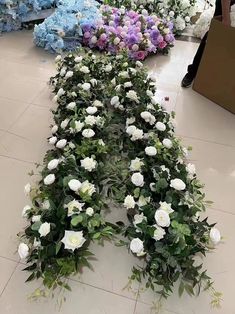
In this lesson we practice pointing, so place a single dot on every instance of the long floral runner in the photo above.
(112, 140)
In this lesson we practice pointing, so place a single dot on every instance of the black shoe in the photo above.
(187, 80)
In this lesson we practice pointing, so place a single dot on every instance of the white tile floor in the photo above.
(24, 125)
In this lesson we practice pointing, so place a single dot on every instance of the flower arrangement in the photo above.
(179, 12)
(111, 139)
(126, 29)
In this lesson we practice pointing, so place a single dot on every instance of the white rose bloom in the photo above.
(26, 209)
(86, 86)
(160, 126)
(88, 133)
(73, 94)
(143, 201)
(167, 143)
(61, 143)
(69, 74)
(108, 68)
(88, 163)
(60, 92)
(53, 164)
(159, 233)
(137, 134)
(187, 19)
(166, 207)
(71, 105)
(138, 219)
(52, 140)
(74, 185)
(91, 110)
(137, 246)
(36, 218)
(129, 202)
(162, 218)
(178, 184)
(185, 152)
(139, 64)
(93, 82)
(136, 164)
(171, 13)
(131, 94)
(90, 211)
(48, 180)
(90, 120)
(44, 229)
(130, 121)
(150, 151)
(78, 59)
(73, 207)
(84, 69)
(137, 179)
(191, 169)
(27, 189)
(78, 126)
(64, 124)
(127, 84)
(130, 129)
(58, 58)
(73, 240)
(54, 129)
(23, 250)
(63, 71)
(149, 93)
(215, 236)
(87, 188)
(115, 100)
(148, 117)
(98, 103)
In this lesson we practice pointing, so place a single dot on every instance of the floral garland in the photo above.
(179, 12)
(111, 139)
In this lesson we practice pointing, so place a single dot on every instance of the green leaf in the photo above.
(57, 248)
(181, 288)
(30, 278)
(96, 235)
(189, 289)
(76, 220)
(36, 226)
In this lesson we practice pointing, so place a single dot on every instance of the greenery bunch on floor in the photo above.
(112, 140)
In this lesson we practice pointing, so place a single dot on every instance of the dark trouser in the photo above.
(192, 68)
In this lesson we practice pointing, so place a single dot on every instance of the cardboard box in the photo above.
(216, 74)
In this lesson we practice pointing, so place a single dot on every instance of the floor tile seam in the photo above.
(18, 159)
(12, 273)
(221, 210)
(103, 289)
(9, 259)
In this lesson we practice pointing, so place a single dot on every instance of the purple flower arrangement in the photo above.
(119, 29)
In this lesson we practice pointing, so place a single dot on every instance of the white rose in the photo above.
(142, 201)
(171, 13)
(129, 202)
(185, 152)
(90, 211)
(137, 134)
(71, 105)
(137, 179)
(84, 69)
(63, 71)
(73, 240)
(178, 184)
(148, 117)
(108, 68)
(138, 219)
(91, 110)
(78, 59)
(64, 124)
(48, 180)
(52, 140)
(130, 120)
(167, 143)
(98, 103)
(139, 64)
(53, 164)
(137, 246)
(58, 58)
(88, 133)
(132, 95)
(88, 163)
(74, 185)
(150, 151)
(26, 209)
(160, 126)
(23, 250)
(87, 188)
(36, 218)
(215, 236)
(78, 126)
(162, 218)
(27, 189)
(44, 229)
(127, 84)
(86, 86)
(74, 205)
(115, 100)
(136, 164)
(90, 120)
(93, 82)
(166, 207)
(159, 233)
(130, 129)
(191, 169)
(73, 94)
(69, 74)
(60, 92)
(187, 19)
